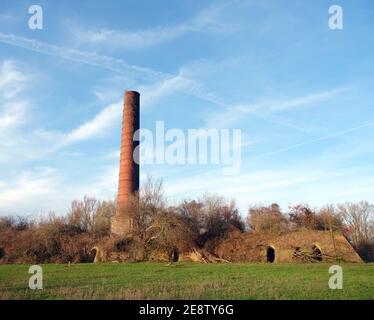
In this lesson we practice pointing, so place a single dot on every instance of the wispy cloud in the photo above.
(44, 189)
(324, 138)
(12, 107)
(286, 185)
(12, 80)
(96, 126)
(13, 114)
(208, 20)
(7, 17)
(106, 62)
(29, 186)
(54, 141)
(237, 113)
(160, 82)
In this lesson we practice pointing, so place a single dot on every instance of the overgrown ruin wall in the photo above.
(305, 246)
(298, 246)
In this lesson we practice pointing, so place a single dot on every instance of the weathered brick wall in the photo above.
(128, 183)
(253, 247)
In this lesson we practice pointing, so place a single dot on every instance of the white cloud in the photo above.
(90, 58)
(46, 142)
(136, 39)
(12, 106)
(26, 189)
(323, 138)
(17, 145)
(158, 82)
(96, 126)
(39, 142)
(41, 190)
(208, 20)
(237, 113)
(286, 186)
(11, 79)
(150, 94)
(8, 18)
(13, 114)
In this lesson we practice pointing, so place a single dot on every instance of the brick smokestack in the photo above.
(128, 183)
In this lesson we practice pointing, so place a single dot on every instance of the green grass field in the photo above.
(187, 281)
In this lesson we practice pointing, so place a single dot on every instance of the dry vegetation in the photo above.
(56, 239)
(161, 229)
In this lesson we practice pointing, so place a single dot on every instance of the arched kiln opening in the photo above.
(316, 253)
(174, 257)
(270, 254)
(93, 253)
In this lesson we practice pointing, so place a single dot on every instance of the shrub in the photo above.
(210, 217)
(267, 219)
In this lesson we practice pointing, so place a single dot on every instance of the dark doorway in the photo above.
(92, 255)
(316, 253)
(174, 255)
(270, 254)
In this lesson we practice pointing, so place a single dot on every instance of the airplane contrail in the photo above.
(327, 137)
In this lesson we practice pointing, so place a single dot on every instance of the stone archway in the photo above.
(317, 253)
(96, 254)
(270, 254)
(174, 257)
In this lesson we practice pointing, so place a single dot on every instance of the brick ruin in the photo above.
(298, 246)
(307, 246)
(128, 182)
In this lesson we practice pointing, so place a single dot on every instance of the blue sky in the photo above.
(302, 95)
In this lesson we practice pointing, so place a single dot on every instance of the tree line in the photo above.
(157, 225)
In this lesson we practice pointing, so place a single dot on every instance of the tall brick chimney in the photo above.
(128, 183)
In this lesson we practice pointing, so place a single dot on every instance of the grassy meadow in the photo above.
(187, 281)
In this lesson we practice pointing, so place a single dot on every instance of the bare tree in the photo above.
(359, 218)
(152, 193)
(191, 212)
(210, 217)
(81, 214)
(267, 219)
(329, 218)
(146, 205)
(102, 217)
(157, 227)
(88, 214)
(168, 232)
(220, 215)
(303, 216)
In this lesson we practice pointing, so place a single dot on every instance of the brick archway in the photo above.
(270, 254)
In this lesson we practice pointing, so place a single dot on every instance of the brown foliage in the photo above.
(326, 218)
(91, 215)
(157, 227)
(160, 229)
(210, 218)
(302, 216)
(56, 239)
(359, 220)
(267, 219)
